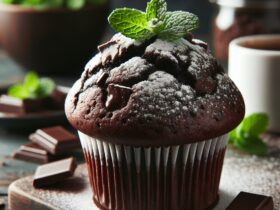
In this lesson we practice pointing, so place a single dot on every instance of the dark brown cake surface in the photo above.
(154, 93)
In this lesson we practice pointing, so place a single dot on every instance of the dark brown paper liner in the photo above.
(184, 177)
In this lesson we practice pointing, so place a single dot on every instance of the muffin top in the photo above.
(153, 93)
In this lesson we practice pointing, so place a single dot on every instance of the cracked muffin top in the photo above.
(154, 93)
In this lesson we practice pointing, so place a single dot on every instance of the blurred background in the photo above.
(59, 44)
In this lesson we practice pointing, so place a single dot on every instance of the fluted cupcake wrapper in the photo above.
(154, 178)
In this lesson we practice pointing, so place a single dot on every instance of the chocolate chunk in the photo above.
(56, 140)
(118, 96)
(250, 201)
(189, 37)
(118, 48)
(56, 100)
(200, 43)
(9, 104)
(102, 79)
(32, 152)
(54, 172)
(106, 45)
(207, 85)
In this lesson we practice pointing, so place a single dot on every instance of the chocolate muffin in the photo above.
(153, 119)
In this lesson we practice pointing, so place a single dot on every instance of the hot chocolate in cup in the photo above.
(254, 66)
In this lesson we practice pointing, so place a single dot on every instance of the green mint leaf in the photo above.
(31, 82)
(246, 136)
(255, 124)
(138, 25)
(156, 9)
(42, 4)
(18, 91)
(47, 86)
(75, 4)
(8, 1)
(32, 88)
(177, 24)
(232, 136)
(131, 23)
(252, 145)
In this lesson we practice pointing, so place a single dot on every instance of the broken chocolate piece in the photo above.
(118, 96)
(200, 43)
(102, 79)
(207, 85)
(54, 172)
(32, 152)
(56, 140)
(9, 104)
(56, 100)
(189, 37)
(250, 201)
(106, 45)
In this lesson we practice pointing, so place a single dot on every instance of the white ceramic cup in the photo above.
(254, 66)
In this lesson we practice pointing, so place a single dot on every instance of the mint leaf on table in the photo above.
(18, 91)
(256, 124)
(32, 88)
(246, 136)
(252, 145)
(156, 21)
(47, 86)
(131, 23)
(31, 81)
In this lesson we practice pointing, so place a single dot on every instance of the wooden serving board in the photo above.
(241, 172)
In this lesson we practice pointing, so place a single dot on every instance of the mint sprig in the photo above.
(156, 21)
(32, 88)
(246, 136)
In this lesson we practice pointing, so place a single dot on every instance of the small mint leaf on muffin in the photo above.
(156, 9)
(178, 24)
(246, 136)
(32, 88)
(156, 21)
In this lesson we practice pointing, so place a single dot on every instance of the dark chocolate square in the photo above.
(54, 172)
(32, 152)
(56, 140)
(250, 201)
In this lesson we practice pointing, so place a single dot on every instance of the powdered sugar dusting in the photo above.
(260, 175)
(167, 96)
